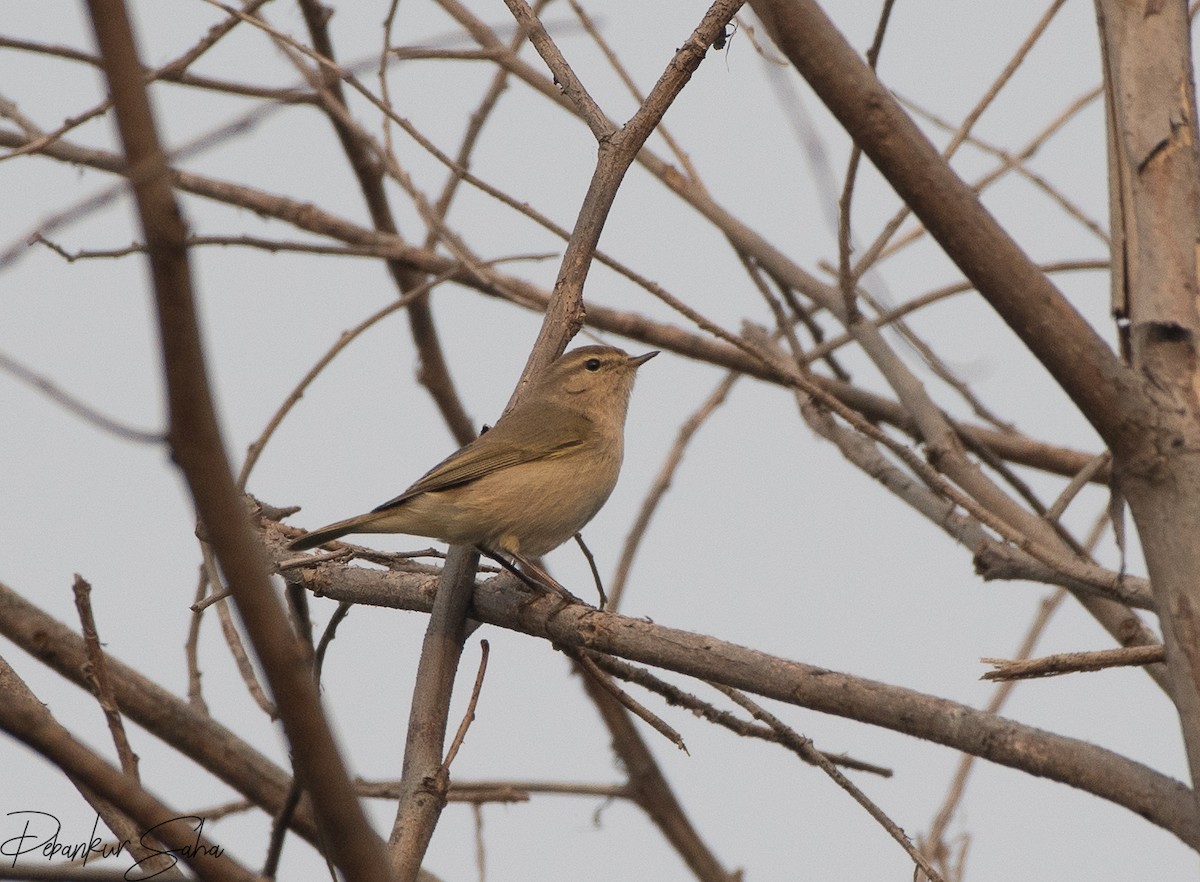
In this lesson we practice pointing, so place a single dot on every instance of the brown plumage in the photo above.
(532, 481)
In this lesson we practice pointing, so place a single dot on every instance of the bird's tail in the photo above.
(360, 524)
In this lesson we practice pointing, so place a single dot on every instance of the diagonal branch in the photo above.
(1055, 333)
(199, 451)
(1160, 799)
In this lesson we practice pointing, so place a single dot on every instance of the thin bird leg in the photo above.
(544, 579)
(504, 562)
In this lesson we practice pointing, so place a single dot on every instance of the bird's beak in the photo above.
(639, 360)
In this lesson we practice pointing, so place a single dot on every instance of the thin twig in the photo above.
(339, 614)
(1072, 662)
(232, 638)
(480, 854)
(587, 553)
(97, 674)
(679, 698)
(627, 701)
(279, 828)
(804, 746)
(1077, 483)
(468, 715)
(70, 403)
(847, 278)
(662, 483)
(345, 339)
(192, 645)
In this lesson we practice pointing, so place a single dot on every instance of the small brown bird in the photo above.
(534, 479)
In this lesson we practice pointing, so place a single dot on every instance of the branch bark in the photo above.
(1154, 170)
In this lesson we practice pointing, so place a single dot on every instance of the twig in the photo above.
(141, 845)
(97, 675)
(1077, 483)
(500, 791)
(230, 632)
(208, 600)
(627, 701)
(662, 483)
(70, 403)
(339, 614)
(704, 709)
(847, 278)
(480, 854)
(192, 645)
(587, 553)
(386, 250)
(347, 337)
(1073, 662)
(804, 746)
(469, 715)
(279, 827)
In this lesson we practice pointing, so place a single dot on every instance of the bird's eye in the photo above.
(592, 364)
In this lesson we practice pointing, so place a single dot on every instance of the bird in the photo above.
(533, 480)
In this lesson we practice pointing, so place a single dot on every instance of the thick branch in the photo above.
(1156, 797)
(1155, 172)
(166, 716)
(198, 449)
(1039, 314)
(28, 720)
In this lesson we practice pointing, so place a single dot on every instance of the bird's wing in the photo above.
(509, 443)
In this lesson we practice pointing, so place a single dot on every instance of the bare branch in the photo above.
(1162, 800)
(196, 443)
(1072, 662)
(74, 405)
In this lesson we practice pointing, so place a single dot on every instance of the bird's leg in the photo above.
(506, 564)
(544, 579)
